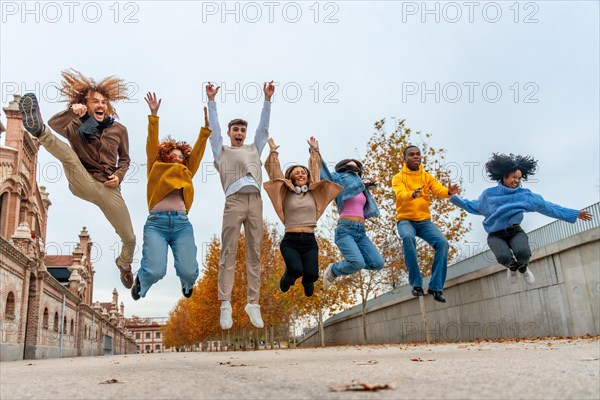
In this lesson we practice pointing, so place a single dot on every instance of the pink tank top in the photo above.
(355, 206)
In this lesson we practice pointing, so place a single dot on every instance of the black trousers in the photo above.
(508, 242)
(300, 253)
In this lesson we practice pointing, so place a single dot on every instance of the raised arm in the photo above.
(152, 143)
(200, 145)
(439, 190)
(262, 131)
(314, 162)
(216, 140)
(272, 164)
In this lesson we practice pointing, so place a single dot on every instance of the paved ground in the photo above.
(540, 369)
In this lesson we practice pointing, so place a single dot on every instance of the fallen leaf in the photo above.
(111, 381)
(589, 359)
(370, 362)
(30, 364)
(356, 385)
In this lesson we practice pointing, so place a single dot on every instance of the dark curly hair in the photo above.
(500, 165)
(167, 145)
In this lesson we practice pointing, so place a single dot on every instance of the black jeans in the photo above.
(508, 242)
(300, 252)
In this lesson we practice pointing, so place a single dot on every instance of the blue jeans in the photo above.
(430, 233)
(163, 229)
(359, 252)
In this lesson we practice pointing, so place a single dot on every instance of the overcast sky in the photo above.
(481, 77)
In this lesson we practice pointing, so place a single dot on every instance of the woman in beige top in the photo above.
(299, 198)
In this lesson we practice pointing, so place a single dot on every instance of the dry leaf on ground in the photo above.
(356, 385)
(111, 381)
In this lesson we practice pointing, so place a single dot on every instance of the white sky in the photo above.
(371, 60)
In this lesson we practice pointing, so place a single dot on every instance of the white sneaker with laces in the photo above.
(328, 277)
(512, 276)
(253, 311)
(226, 320)
(528, 276)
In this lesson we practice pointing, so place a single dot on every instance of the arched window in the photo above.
(45, 320)
(56, 322)
(64, 327)
(3, 212)
(9, 311)
(72, 330)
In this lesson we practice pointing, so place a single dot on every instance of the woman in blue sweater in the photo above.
(503, 207)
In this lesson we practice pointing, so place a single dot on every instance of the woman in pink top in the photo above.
(355, 204)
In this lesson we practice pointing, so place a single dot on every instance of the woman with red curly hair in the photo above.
(171, 167)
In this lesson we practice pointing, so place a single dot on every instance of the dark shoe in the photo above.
(309, 289)
(30, 114)
(417, 291)
(284, 284)
(126, 275)
(186, 294)
(135, 289)
(437, 295)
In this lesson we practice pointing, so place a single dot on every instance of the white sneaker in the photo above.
(528, 276)
(328, 277)
(253, 311)
(511, 275)
(226, 320)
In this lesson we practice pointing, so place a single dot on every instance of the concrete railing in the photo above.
(564, 301)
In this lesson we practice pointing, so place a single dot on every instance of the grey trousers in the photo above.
(511, 248)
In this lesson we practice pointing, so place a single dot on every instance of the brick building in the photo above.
(147, 334)
(46, 307)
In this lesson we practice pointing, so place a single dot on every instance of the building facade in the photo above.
(148, 334)
(46, 307)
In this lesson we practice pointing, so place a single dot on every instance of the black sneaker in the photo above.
(417, 291)
(284, 284)
(30, 114)
(187, 294)
(309, 289)
(437, 295)
(136, 288)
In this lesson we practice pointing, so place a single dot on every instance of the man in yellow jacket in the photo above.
(414, 188)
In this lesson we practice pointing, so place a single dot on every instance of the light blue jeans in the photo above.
(358, 250)
(163, 229)
(430, 233)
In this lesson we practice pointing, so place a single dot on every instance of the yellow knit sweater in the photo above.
(405, 182)
(163, 177)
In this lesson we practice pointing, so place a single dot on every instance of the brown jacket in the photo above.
(105, 156)
(323, 191)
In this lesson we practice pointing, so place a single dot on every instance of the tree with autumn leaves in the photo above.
(196, 320)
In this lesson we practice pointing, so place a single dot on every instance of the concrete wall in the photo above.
(564, 301)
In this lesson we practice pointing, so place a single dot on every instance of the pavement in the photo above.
(509, 369)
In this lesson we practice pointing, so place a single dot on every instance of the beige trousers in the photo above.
(84, 186)
(246, 209)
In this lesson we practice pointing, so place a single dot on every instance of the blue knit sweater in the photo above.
(502, 207)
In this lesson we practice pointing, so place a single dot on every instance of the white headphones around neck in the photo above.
(301, 189)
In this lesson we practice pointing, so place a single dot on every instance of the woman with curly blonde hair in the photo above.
(171, 168)
(97, 159)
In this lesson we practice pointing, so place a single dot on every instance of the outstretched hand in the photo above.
(152, 103)
(585, 215)
(268, 89)
(272, 145)
(211, 91)
(313, 143)
(453, 189)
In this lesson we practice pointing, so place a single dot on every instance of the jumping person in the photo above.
(299, 198)
(414, 187)
(503, 206)
(171, 168)
(355, 204)
(98, 158)
(239, 168)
